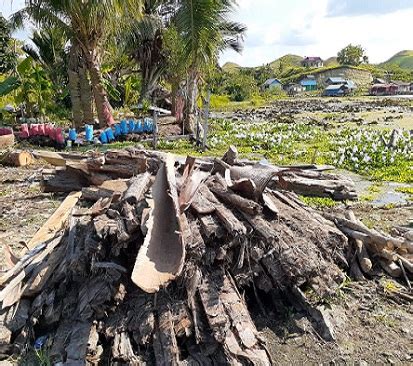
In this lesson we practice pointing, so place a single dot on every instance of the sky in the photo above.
(310, 28)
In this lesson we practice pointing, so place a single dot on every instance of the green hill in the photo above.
(331, 61)
(231, 67)
(404, 59)
(286, 61)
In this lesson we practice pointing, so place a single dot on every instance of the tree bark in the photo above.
(85, 94)
(190, 105)
(74, 87)
(103, 107)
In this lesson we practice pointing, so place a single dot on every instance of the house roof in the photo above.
(308, 82)
(376, 86)
(400, 83)
(380, 81)
(312, 58)
(335, 87)
(271, 81)
(336, 79)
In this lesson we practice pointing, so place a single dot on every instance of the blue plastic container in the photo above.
(103, 138)
(138, 127)
(117, 130)
(124, 127)
(109, 134)
(89, 133)
(148, 125)
(132, 125)
(72, 134)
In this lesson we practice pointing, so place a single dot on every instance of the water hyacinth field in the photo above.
(365, 151)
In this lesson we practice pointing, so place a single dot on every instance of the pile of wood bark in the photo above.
(165, 261)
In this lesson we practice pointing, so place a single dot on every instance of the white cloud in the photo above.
(304, 27)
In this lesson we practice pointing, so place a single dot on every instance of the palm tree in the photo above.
(87, 23)
(206, 30)
(144, 42)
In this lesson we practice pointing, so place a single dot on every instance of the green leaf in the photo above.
(8, 85)
(111, 90)
(24, 65)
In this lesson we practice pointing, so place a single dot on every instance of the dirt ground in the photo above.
(374, 326)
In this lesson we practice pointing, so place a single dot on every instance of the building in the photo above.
(402, 87)
(312, 62)
(293, 88)
(384, 89)
(379, 81)
(272, 84)
(335, 80)
(334, 90)
(309, 83)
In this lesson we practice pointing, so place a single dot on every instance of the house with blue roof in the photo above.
(309, 83)
(272, 84)
(338, 86)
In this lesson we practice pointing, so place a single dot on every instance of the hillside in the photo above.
(404, 59)
(331, 61)
(286, 61)
(231, 67)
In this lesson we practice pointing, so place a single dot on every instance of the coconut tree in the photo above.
(88, 23)
(143, 40)
(206, 30)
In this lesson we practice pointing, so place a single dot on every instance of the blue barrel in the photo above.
(72, 134)
(89, 133)
(109, 134)
(124, 127)
(139, 127)
(103, 138)
(132, 124)
(117, 130)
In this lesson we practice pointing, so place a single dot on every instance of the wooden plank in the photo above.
(55, 222)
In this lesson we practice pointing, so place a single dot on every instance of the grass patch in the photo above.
(406, 190)
(319, 202)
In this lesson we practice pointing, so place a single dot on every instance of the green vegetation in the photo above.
(362, 152)
(352, 56)
(319, 202)
(402, 59)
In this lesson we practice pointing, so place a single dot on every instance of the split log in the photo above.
(361, 251)
(56, 222)
(161, 257)
(17, 158)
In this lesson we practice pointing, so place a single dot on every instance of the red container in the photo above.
(6, 131)
(59, 136)
(34, 130)
(41, 129)
(24, 131)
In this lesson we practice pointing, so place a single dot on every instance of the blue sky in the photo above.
(311, 27)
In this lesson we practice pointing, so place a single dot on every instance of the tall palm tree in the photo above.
(87, 23)
(206, 30)
(143, 40)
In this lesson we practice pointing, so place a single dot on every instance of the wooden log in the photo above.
(231, 156)
(361, 251)
(243, 204)
(369, 235)
(137, 188)
(56, 222)
(18, 158)
(94, 194)
(161, 257)
(391, 268)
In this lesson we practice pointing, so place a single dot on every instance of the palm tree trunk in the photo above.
(103, 107)
(73, 75)
(174, 98)
(86, 95)
(190, 105)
